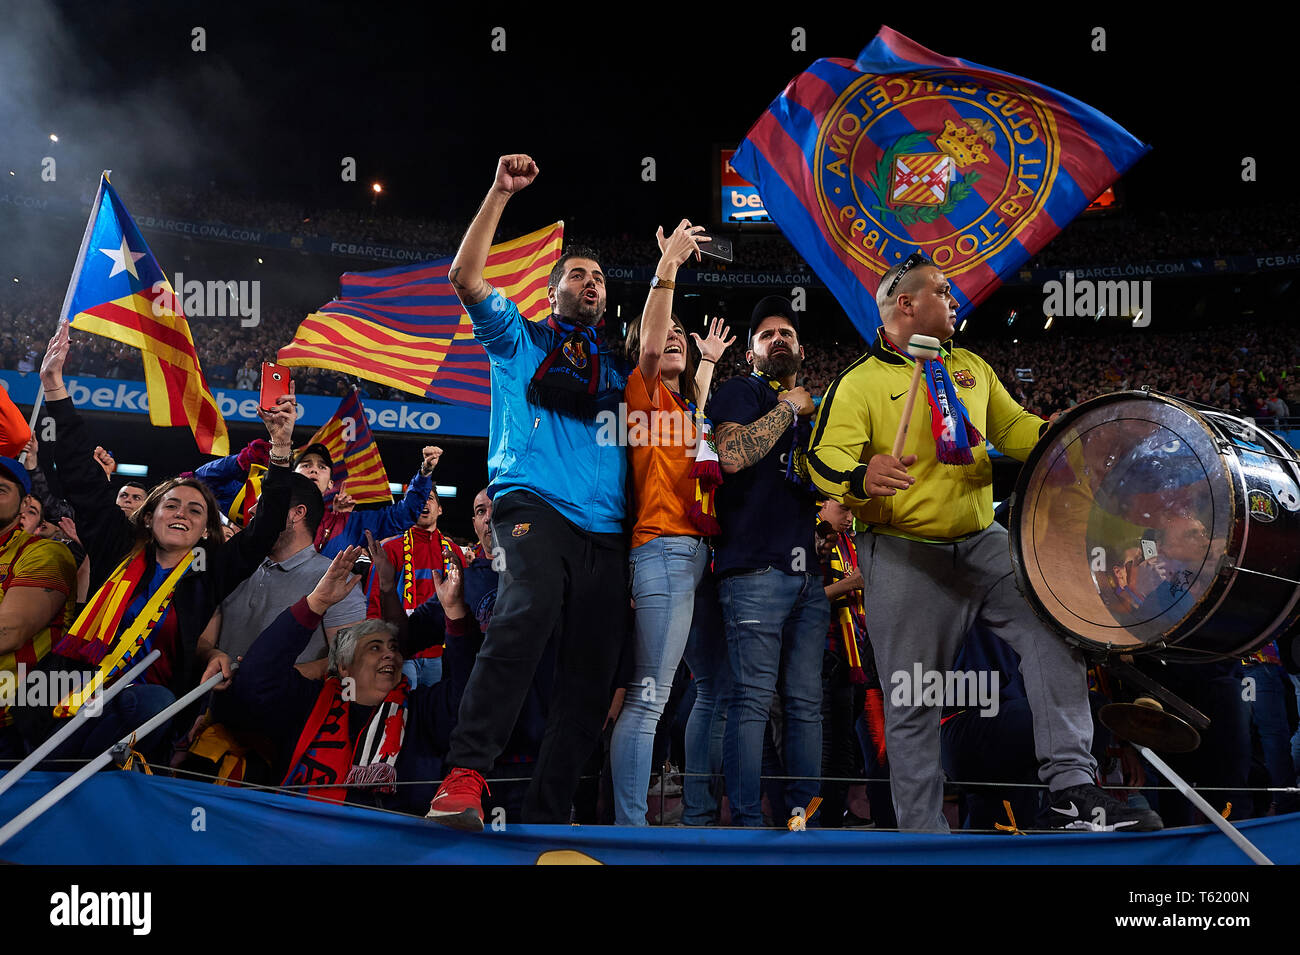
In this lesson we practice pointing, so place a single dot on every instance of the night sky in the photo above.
(425, 106)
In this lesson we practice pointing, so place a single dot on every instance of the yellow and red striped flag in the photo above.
(355, 455)
(118, 290)
(404, 327)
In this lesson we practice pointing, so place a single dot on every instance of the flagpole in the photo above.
(82, 714)
(67, 297)
(36, 809)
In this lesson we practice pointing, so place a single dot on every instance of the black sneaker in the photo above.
(1091, 808)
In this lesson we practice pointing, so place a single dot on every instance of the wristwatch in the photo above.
(657, 282)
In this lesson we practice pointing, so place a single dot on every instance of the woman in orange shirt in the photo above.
(674, 473)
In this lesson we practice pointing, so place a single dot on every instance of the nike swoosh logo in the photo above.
(897, 396)
(1072, 812)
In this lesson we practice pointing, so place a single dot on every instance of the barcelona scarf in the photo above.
(95, 637)
(567, 379)
(325, 756)
(796, 462)
(954, 435)
(850, 612)
(707, 470)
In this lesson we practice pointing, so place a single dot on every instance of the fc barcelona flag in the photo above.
(354, 452)
(862, 163)
(119, 291)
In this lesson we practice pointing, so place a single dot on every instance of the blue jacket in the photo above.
(382, 522)
(576, 466)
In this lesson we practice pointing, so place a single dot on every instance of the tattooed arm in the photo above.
(740, 445)
(466, 274)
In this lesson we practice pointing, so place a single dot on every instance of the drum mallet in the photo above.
(922, 348)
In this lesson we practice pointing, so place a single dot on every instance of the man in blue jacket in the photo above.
(557, 514)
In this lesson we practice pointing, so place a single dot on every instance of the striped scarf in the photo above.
(409, 601)
(326, 755)
(247, 496)
(954, 435)
(95, 637)
(707, 470)
(850, 612)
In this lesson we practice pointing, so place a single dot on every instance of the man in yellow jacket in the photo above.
(935, 563)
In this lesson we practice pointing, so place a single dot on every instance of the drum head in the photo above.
(1124, 514)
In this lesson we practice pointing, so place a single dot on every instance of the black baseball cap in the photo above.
(315, 448)
(769, 306)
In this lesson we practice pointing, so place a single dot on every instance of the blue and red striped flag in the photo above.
(404, 327)
(354, 453)
(862, 163)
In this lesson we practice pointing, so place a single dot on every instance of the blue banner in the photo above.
(130, 397)
(164, 821)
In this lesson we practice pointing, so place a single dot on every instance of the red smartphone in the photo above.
(275, 382)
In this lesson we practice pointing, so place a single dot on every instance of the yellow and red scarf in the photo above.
(850, 611)
(409, 598)
(247, 496)
(95, 637)
(327, 759)
(707, 470)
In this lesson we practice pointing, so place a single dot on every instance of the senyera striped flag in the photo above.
(404, 326)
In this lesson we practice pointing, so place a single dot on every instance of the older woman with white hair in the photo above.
(352, 736)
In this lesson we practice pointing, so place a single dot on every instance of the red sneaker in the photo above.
(459, 803)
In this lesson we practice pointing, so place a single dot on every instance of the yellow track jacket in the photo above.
(859, 417)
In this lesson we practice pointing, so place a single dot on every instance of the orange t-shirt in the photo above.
(660, 433)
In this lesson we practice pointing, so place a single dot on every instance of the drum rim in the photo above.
(1218, 590)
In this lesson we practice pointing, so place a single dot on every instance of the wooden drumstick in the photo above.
(922, 348)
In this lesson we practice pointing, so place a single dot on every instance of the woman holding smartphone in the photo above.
(674, 474)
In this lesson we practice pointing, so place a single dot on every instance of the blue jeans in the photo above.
(706, 655)
(1268, 714)
(665, 572)
(776, 633)
(422, 671)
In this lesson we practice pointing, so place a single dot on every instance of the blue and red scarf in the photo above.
(567, 379)
(954, 435)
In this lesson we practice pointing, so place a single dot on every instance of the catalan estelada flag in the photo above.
(862, 163)
(404, 327)
(119, 291)
(354, 453)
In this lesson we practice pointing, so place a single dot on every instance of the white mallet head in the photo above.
(923, 347)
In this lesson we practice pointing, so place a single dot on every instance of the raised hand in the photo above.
(55, 356)
(280, 420)
(680, 246)
(717, 342)
(337, 582)
(386, 573)
(514, 172)
(451, 591)
(431, 456)
(105, 460)
(343, 501)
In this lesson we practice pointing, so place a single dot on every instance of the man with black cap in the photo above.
(774, 607)
(37, 585)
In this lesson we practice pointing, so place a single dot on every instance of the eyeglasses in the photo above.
(913, 260)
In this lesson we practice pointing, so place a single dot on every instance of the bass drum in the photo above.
(1144, 524)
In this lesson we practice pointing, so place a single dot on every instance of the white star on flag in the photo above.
(119, 257)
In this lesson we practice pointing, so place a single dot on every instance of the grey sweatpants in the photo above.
(921, 599)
